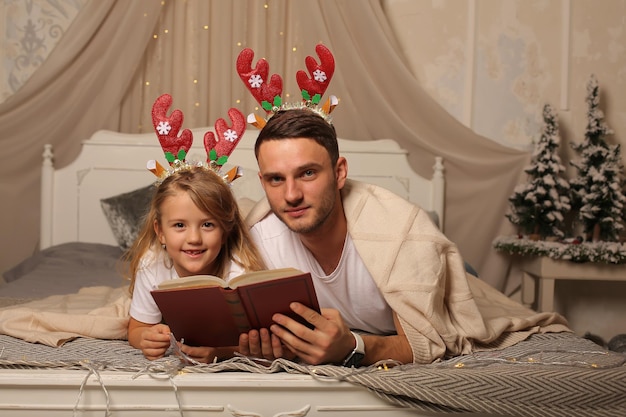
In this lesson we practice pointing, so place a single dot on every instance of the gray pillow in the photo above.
(125, 213)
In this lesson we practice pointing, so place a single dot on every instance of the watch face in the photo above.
(355, 359)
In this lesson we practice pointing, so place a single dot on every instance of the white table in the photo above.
(540, 272)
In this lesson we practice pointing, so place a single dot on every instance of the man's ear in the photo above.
(341, 172)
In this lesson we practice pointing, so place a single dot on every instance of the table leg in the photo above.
(545, 297)
(528, 289)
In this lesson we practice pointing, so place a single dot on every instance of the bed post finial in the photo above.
(47, 179)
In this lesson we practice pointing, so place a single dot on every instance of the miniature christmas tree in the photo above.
(538, 207)
(597, 190)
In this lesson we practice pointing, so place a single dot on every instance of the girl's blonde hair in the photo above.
(211, 194)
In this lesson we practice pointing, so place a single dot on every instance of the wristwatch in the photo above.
(355, 357)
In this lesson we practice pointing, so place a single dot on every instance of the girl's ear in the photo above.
(158, 232)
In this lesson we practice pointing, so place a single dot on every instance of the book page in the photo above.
(193, 281)
(261, 276)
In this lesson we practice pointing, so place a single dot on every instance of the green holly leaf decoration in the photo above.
(278, 101)
(169, 157)
(267, 106)
(212, 154)
(222, 160)
(181, 155)
(316, 99)
(305, 95)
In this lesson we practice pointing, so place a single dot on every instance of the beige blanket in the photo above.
(97, 312)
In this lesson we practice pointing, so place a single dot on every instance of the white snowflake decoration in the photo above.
(230, 135)
(319, 75)
(255, 81)
(164, 128)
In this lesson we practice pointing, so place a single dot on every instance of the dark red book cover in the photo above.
(201, 316)
(215, 316)
(262, 300)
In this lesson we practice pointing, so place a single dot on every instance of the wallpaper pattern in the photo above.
(31, 29)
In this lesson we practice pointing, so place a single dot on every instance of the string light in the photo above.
(540, 357)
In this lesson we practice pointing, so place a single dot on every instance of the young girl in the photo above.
(193, 227)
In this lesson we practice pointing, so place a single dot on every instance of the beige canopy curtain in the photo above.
(75, 92)
(191, 54)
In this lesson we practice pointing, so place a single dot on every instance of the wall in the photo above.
(493, 64)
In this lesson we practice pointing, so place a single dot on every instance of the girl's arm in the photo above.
(152, 339)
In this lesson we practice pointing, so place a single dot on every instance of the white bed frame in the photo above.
(111, 163)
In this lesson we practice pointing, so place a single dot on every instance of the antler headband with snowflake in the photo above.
(268, 94)
(176, 147)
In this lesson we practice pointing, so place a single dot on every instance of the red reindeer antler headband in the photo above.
(176, 147)
(268, 94)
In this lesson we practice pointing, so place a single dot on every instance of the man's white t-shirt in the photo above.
(155, 268)
(349, 288)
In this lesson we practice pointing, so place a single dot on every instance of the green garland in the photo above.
(605, 252)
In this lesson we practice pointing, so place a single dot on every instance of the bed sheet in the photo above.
(62, 269)
(555, 374)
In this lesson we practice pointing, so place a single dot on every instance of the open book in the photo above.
(206, 311)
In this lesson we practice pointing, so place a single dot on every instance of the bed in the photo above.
(85, 223)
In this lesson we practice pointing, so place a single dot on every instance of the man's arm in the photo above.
(394, 347)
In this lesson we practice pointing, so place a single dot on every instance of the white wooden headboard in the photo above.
(111, 163)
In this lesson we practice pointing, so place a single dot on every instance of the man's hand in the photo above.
(330, 340)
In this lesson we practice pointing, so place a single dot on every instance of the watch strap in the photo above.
(355, 357)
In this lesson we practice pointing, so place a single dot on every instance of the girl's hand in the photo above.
(154, 340)
(262, 344)
(200, 354)
(204, 354)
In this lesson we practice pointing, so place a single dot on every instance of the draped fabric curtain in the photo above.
(191, 53)
(75, 92)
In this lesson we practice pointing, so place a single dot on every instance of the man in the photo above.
(390, 284)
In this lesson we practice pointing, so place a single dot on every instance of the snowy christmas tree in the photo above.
(597, 190)
(538, 207)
